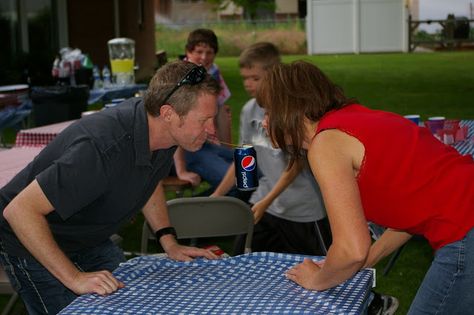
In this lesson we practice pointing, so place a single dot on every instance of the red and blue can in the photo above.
(246, 173)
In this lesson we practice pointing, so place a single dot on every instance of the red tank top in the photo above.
(408, 179)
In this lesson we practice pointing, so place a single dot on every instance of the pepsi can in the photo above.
(246, 174)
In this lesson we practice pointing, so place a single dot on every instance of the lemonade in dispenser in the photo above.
(122, 59)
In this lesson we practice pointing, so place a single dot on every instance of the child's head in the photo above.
(254, 62)
(202, 47)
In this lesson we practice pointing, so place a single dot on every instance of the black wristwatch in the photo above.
(165, 231)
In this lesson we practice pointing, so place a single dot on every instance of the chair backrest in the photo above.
(197, 217)
(6, 288)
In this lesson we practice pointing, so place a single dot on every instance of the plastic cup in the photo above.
(451, 124)
(435, 123)
(414, 118)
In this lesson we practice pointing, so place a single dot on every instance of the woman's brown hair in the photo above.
(291, 92)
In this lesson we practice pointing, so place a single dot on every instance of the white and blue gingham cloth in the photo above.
(467, 146)
(247, 284)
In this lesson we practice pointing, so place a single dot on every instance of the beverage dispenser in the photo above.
(122, 60)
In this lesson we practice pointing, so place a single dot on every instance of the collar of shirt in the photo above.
(143, 155)
(141, 143)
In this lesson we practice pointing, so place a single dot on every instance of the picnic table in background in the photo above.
(114, 92)
(466, 146)
(29, 142)
(40, 136)
(14, 160)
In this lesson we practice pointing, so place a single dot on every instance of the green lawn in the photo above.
(427, 84)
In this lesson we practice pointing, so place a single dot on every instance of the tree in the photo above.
(251, 7)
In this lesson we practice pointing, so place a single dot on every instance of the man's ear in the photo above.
(166, 111)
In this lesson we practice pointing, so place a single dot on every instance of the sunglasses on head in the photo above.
(193, 77)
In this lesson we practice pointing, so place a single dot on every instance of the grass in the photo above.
(233, 36)
(427, 84)
(431, 84)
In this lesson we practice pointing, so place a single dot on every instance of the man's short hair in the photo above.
(185, 97)
(202, 36)
(264, 54)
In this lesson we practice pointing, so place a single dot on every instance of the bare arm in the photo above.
(181, 170)
(286, 178)
(390, 241)
(156, 214)
(26, 215)
(332, 160)
(226, 183)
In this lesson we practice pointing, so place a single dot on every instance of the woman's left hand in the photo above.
(305, 273)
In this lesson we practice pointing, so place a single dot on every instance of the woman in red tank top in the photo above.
(375, 166)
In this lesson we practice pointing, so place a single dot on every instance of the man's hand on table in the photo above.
(100, 282)
(187, 253)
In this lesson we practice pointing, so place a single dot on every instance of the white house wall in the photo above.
(353, 26)
(328, 26)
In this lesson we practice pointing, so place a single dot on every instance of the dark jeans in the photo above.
(40, 291)
(274, 234)
(211, 162)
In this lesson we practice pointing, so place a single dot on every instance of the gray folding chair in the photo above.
(198, 217)
(6, 288)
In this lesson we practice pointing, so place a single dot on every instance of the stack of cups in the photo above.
(414, 118)
(435, 123)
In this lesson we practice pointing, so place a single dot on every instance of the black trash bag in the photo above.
(53, 104)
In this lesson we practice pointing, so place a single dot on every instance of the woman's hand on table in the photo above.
(305, 273)
(188, 253)
(100, 282)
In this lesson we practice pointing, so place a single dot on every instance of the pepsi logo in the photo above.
(248, 163)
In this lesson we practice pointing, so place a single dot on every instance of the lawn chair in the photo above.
(198, 217)
(6, 288)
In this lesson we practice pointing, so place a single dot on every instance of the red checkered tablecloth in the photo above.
(40, 136)
(14, 160)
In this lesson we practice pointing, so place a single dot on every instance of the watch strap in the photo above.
(165, 231)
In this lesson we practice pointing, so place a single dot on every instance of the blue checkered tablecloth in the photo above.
(467, 146)
(247, 284)
(106, 95)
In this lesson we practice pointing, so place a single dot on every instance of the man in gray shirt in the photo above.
(59, 212)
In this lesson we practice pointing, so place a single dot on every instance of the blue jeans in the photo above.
(211, 162)
(448, 286)
(40, 291)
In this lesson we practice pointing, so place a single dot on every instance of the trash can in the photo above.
(53, 104)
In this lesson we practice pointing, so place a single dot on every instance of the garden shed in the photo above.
(356, 26)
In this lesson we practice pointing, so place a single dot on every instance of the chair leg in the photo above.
(392, 260)
(11, 302)
(320, 239)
